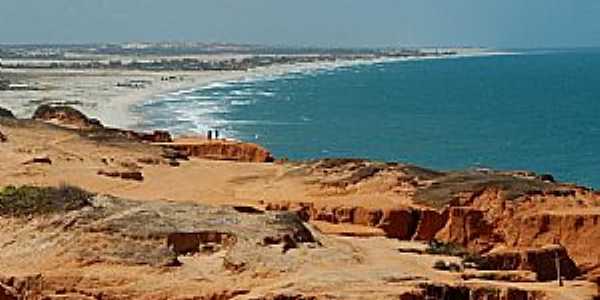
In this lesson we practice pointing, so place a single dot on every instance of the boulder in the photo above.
(65, 116)
(5, 113)
(39, 160)
(3, 137)
(126, 175)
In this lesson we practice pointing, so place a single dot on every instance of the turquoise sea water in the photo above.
(536, 110)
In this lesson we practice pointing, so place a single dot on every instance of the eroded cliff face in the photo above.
(69, 117)
(64, 234)
(221, 150)
(480, 210)
(513, 219)
(577, 230)
(75, 245)
(542, 261)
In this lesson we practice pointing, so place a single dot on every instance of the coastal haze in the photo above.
(417, 23)
(314, 150)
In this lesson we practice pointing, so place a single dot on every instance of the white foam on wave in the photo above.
(266, 94)
(204, 112)
(197, 97)
(241, 102)
(242, 92)
(182, 92)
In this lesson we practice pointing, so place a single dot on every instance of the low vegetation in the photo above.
(31, 200)
(450, 249)
(446, 189)
(447, 266)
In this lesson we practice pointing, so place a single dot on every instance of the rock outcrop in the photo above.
(222, 150)
(5, 113)
(69, 117)
(430, 223)
(158, 136)
(399, 223)
(38, 160)
(20, 287)
(541, 261)
(201, 241)
(65, 116)
(367, 216)
(450, 292)
(468, 227)
(126, 175)
(123, 234)
(492, 222)
(577, 230)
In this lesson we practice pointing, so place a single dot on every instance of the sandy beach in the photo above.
(97, 93)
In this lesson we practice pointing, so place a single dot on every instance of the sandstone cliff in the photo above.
(221, 150)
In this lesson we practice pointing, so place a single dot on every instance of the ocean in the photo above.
(533, 110)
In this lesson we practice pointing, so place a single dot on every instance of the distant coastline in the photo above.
(282, 71)
(107, 81)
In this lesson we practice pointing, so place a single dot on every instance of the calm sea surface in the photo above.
(537, 110)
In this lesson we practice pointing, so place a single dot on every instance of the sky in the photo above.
(328, 23)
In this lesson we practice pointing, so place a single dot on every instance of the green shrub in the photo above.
(445, 190)
(447, 266)
(31, 200)
(449, 249)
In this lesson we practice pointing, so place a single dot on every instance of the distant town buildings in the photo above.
(171, 56)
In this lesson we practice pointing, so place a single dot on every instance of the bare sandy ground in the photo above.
(77, 161)
(345, 268)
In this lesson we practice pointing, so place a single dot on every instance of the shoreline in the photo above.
(281, 70)
(95, 92)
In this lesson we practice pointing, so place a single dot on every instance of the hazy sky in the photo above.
(493, 23)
